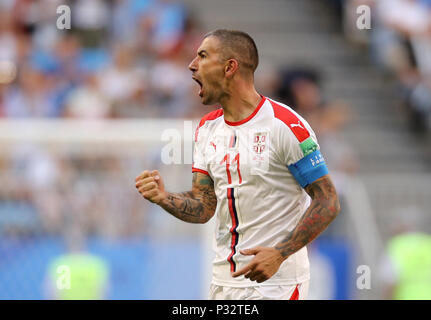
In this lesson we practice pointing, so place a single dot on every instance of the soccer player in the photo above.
(257, 167)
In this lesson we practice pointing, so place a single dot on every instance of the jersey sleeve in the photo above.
(199, 162)
(301, 153)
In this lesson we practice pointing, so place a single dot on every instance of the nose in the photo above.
(193, 65)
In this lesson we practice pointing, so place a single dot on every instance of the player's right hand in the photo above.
(150, 186)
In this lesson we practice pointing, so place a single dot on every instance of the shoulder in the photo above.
(209, 117)
(213, 115)
(290, 121)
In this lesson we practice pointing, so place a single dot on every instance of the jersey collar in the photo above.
(237, 123)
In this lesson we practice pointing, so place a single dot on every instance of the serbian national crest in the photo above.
(259, 142)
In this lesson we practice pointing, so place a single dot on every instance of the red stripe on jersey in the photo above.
(209, 116)
(291, 120)
(295, 294)
(200, 170)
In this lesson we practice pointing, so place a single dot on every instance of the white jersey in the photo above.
(259, 167)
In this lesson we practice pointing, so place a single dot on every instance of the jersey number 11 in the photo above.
(228, 168)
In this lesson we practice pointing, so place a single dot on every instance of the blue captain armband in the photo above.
(309, 169)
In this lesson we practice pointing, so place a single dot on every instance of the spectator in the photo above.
(8, 38)
(125, 18)
(88, 101)
(170, 90)
(411, 20)
(168, 24)
(91, 22)
(405, 268)
(148, 36)
(77, 275)
(299, 88)
(401, 46)
(121, 79)
(33, 97)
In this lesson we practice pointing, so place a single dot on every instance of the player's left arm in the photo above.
(322, 211)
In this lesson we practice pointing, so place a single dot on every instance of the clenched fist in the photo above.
(150, 186)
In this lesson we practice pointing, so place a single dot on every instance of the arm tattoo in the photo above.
(196, 206)
(323, 209)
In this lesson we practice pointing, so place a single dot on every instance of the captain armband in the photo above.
(309, 169)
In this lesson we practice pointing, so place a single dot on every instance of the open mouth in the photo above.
(200, 85)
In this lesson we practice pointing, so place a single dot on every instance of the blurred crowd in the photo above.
(120, 58)
(46, 193)
(400, 44)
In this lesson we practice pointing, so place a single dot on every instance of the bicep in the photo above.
(323, 190)
(203, 189)
(202, 181)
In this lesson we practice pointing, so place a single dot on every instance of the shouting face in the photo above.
(208, 71)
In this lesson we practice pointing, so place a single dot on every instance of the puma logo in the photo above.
(215, 147)
(293, 125)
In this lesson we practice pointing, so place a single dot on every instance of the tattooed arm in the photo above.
(195, 206)
(323, 209)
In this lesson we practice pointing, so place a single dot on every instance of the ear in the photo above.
(231, 68)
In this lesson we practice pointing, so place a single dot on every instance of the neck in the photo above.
(240, 103)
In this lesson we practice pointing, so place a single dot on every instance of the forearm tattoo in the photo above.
(323, 209)
(196, 206)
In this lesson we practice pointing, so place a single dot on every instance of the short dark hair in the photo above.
(239, 45)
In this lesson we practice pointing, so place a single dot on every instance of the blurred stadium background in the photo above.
(83, 111)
